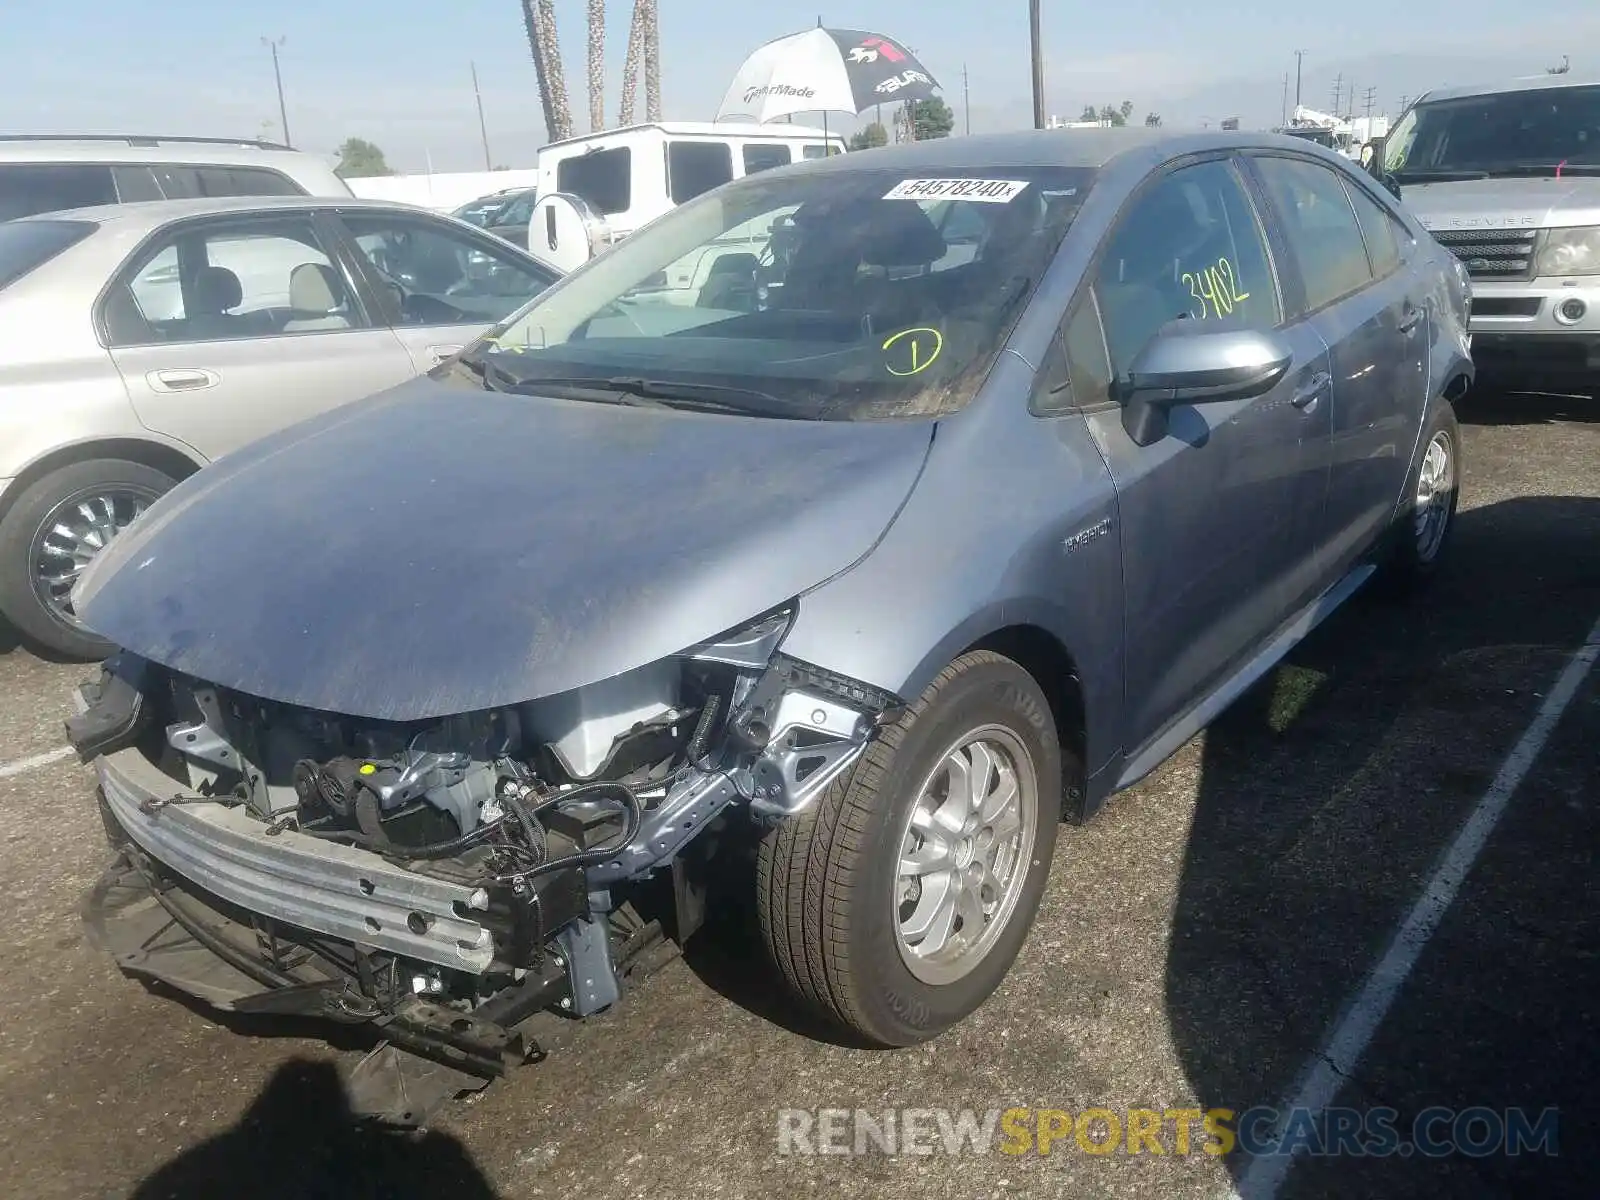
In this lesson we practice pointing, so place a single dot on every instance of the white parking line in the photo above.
(7, 770)
(1325, 1073)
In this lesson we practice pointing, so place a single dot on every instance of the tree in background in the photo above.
(360, 159)
(1152, 120)
(870, 138)
(1109, 114)
(932, 119)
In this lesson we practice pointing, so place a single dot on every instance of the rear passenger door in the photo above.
(225, 330)
(439, 285)
(1216, 519)
(1350, 256)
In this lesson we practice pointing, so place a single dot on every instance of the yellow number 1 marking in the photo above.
(919, 361)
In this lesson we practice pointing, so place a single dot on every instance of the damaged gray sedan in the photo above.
(813, 550)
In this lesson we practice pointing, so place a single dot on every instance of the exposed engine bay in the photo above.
(446, 879)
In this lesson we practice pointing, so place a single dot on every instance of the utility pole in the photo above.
(1283, 116)
(277, 75)
(966, 101)
(1299, 59)
(1038, 64)
(483, 129)
(1369, 100)
(1338, 92)
(1404, 100)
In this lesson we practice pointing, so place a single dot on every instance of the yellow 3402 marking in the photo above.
(917, 343)
(1215, 289)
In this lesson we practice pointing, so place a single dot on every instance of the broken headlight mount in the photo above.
(791, 729)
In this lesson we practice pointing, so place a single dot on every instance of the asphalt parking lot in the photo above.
(1198, 942)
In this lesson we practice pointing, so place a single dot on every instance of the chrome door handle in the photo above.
(440, 353)
(186, 379)
(1306, 398)
(1412, 318)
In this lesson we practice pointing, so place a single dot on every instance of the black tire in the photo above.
(827, 878)
(43, 627)
(1407, 565)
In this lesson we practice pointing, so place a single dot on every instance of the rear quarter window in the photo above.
(28, 245)
(28, 189)
(188, 182)
(603, 177)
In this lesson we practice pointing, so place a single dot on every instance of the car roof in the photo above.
(151, 213)
(222, 152)
(1529, 83)
(1047, 148)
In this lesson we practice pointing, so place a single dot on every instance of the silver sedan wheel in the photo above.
(1435, 484)
(73, 533)
(965, 852)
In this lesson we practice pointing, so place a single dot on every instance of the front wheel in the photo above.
(898, 902)
(53, 531)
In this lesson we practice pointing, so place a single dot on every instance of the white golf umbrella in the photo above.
(825, 70)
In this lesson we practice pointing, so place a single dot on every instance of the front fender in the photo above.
(1011, 524)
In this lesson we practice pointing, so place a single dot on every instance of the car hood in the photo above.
(433, 550)
(1504, 203)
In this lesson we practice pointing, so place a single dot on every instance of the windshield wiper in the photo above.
(660, 393)
(1438, 174)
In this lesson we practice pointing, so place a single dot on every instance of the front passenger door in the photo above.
(1215, 517)
(441, 286)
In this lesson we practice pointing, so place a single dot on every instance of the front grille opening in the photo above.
(1491, 253)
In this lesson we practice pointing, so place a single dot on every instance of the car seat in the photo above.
(731, 284)
(212, 293)
(124, 320)
(316, 296)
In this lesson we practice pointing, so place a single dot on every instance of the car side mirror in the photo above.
(1375, 166)
(1188, 363)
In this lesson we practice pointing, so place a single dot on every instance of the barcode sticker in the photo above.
(985, 191)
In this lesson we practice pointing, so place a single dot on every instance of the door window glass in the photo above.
(1321, 228)
(1381, 231)
(260, 278)
(604, 178)
(1190, 248)
(697, 167)
(30, 188)
(438, 276)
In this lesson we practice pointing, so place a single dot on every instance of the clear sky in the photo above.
(397, 71)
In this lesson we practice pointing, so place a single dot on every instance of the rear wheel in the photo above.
(898, 902)
(56, 527)
(1422, 531)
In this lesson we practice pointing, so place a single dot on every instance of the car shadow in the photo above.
(299, 1139)
(10, 639)
(1328, 794)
